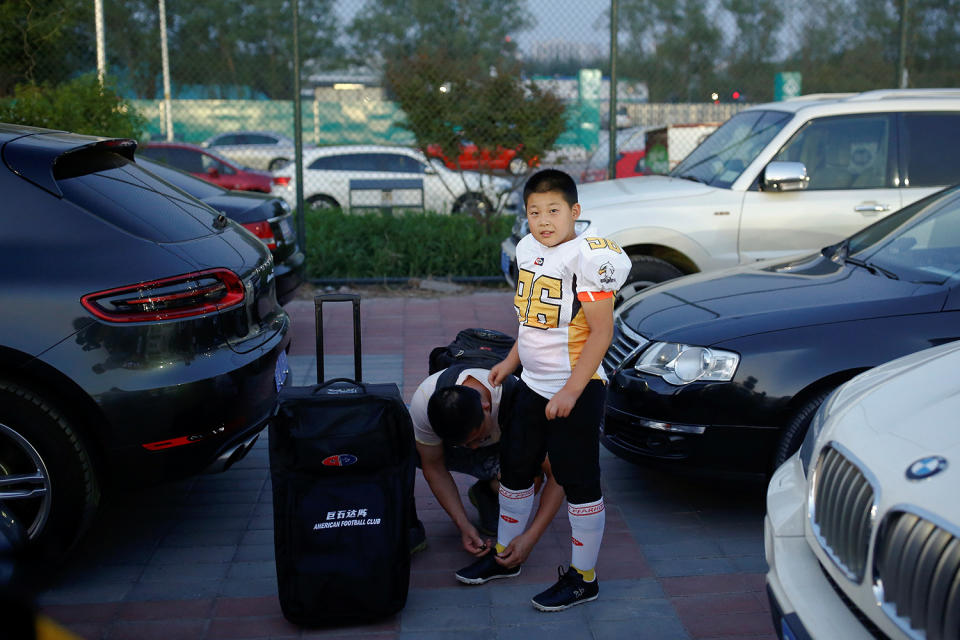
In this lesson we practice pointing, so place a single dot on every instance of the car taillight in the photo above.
(263, 231)
(281, 181)
(188, 295)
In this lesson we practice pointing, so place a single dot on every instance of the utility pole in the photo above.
(298, 129)
(901, 79)
(612, 117)
(165, 62)
(101, 47)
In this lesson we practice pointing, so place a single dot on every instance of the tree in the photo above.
(43, 41)
(385, 30)
(80, 105)
(230, 47)
(754, 47)
(446, 100)
(673, 46)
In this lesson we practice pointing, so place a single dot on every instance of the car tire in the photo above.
(322, 202)
(473, 204)
(49, 481)
(518, 166)
(796, 430)
(646, 271)
(278, 163)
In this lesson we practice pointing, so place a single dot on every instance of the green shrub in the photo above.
(80, 105)
(409, 245)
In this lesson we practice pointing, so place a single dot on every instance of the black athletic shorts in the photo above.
(573, 443)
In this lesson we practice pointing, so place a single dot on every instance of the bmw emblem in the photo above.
(926, 467)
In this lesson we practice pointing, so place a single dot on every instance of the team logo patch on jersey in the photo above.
(509, 519)
(538, 262)
(339, 460)
(606, 272)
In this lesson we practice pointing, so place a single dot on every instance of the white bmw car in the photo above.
(862, 532)
(376, 177)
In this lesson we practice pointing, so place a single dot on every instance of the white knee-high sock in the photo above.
(515, 508)
(586, 526)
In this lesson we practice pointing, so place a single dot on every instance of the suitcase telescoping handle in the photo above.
(318, 308)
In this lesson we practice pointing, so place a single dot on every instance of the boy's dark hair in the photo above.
(551, 180)
(454, 412)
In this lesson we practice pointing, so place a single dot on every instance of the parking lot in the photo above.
(682, 557)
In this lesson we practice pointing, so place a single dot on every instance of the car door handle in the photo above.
(868, 207)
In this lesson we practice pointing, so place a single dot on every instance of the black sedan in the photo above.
(267, 217)
(140, 336)
(724, 370)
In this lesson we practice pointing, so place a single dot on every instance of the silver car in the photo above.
(354, 177)
(256, 149)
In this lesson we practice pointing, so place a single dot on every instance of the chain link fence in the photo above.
(222, 101)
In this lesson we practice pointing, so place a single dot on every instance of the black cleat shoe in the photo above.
(484, 570)
(569, 590)
(488, 506)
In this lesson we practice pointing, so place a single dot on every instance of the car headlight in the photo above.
(521, 227)
(681, 364)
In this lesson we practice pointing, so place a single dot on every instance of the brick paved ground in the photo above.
(681, 557)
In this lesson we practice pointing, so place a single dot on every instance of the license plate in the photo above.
(281, 370)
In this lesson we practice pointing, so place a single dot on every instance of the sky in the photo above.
(570, 20)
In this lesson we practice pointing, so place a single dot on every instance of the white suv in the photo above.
(777, 179)
(862, 532)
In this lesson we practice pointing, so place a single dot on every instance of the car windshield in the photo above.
(723, 156)
(920, 243)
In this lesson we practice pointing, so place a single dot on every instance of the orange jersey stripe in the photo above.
(593, 296)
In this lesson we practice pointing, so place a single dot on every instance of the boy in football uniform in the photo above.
(564, 303)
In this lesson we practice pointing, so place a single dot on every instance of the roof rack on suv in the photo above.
(882, 94)
(821, 96)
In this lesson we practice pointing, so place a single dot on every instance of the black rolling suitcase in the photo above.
(342, 467)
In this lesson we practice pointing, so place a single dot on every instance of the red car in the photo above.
(630, 157)
(207, 166)
(472, 159)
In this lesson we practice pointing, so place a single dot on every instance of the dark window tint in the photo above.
(230, 138)
(843, 152)
(397, 163)
(253, 138)
(930, 147)
(326, 163)
(137, 202)
(183, 159)
(369, 162)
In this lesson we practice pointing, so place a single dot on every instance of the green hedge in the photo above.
(80, 105)
(409, 245)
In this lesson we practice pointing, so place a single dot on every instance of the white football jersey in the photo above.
(550, 287)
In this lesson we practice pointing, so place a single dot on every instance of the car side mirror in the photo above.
(212, 172)
(429, 170)
(785, 176)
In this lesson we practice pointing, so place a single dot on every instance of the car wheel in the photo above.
(278, 163)
(47, 477)
(322, 202)
(473, 204)
(796, 430)
(646, 271)
(518, 166)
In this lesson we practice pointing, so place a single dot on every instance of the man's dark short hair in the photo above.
(551, 180)
(454, 412)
